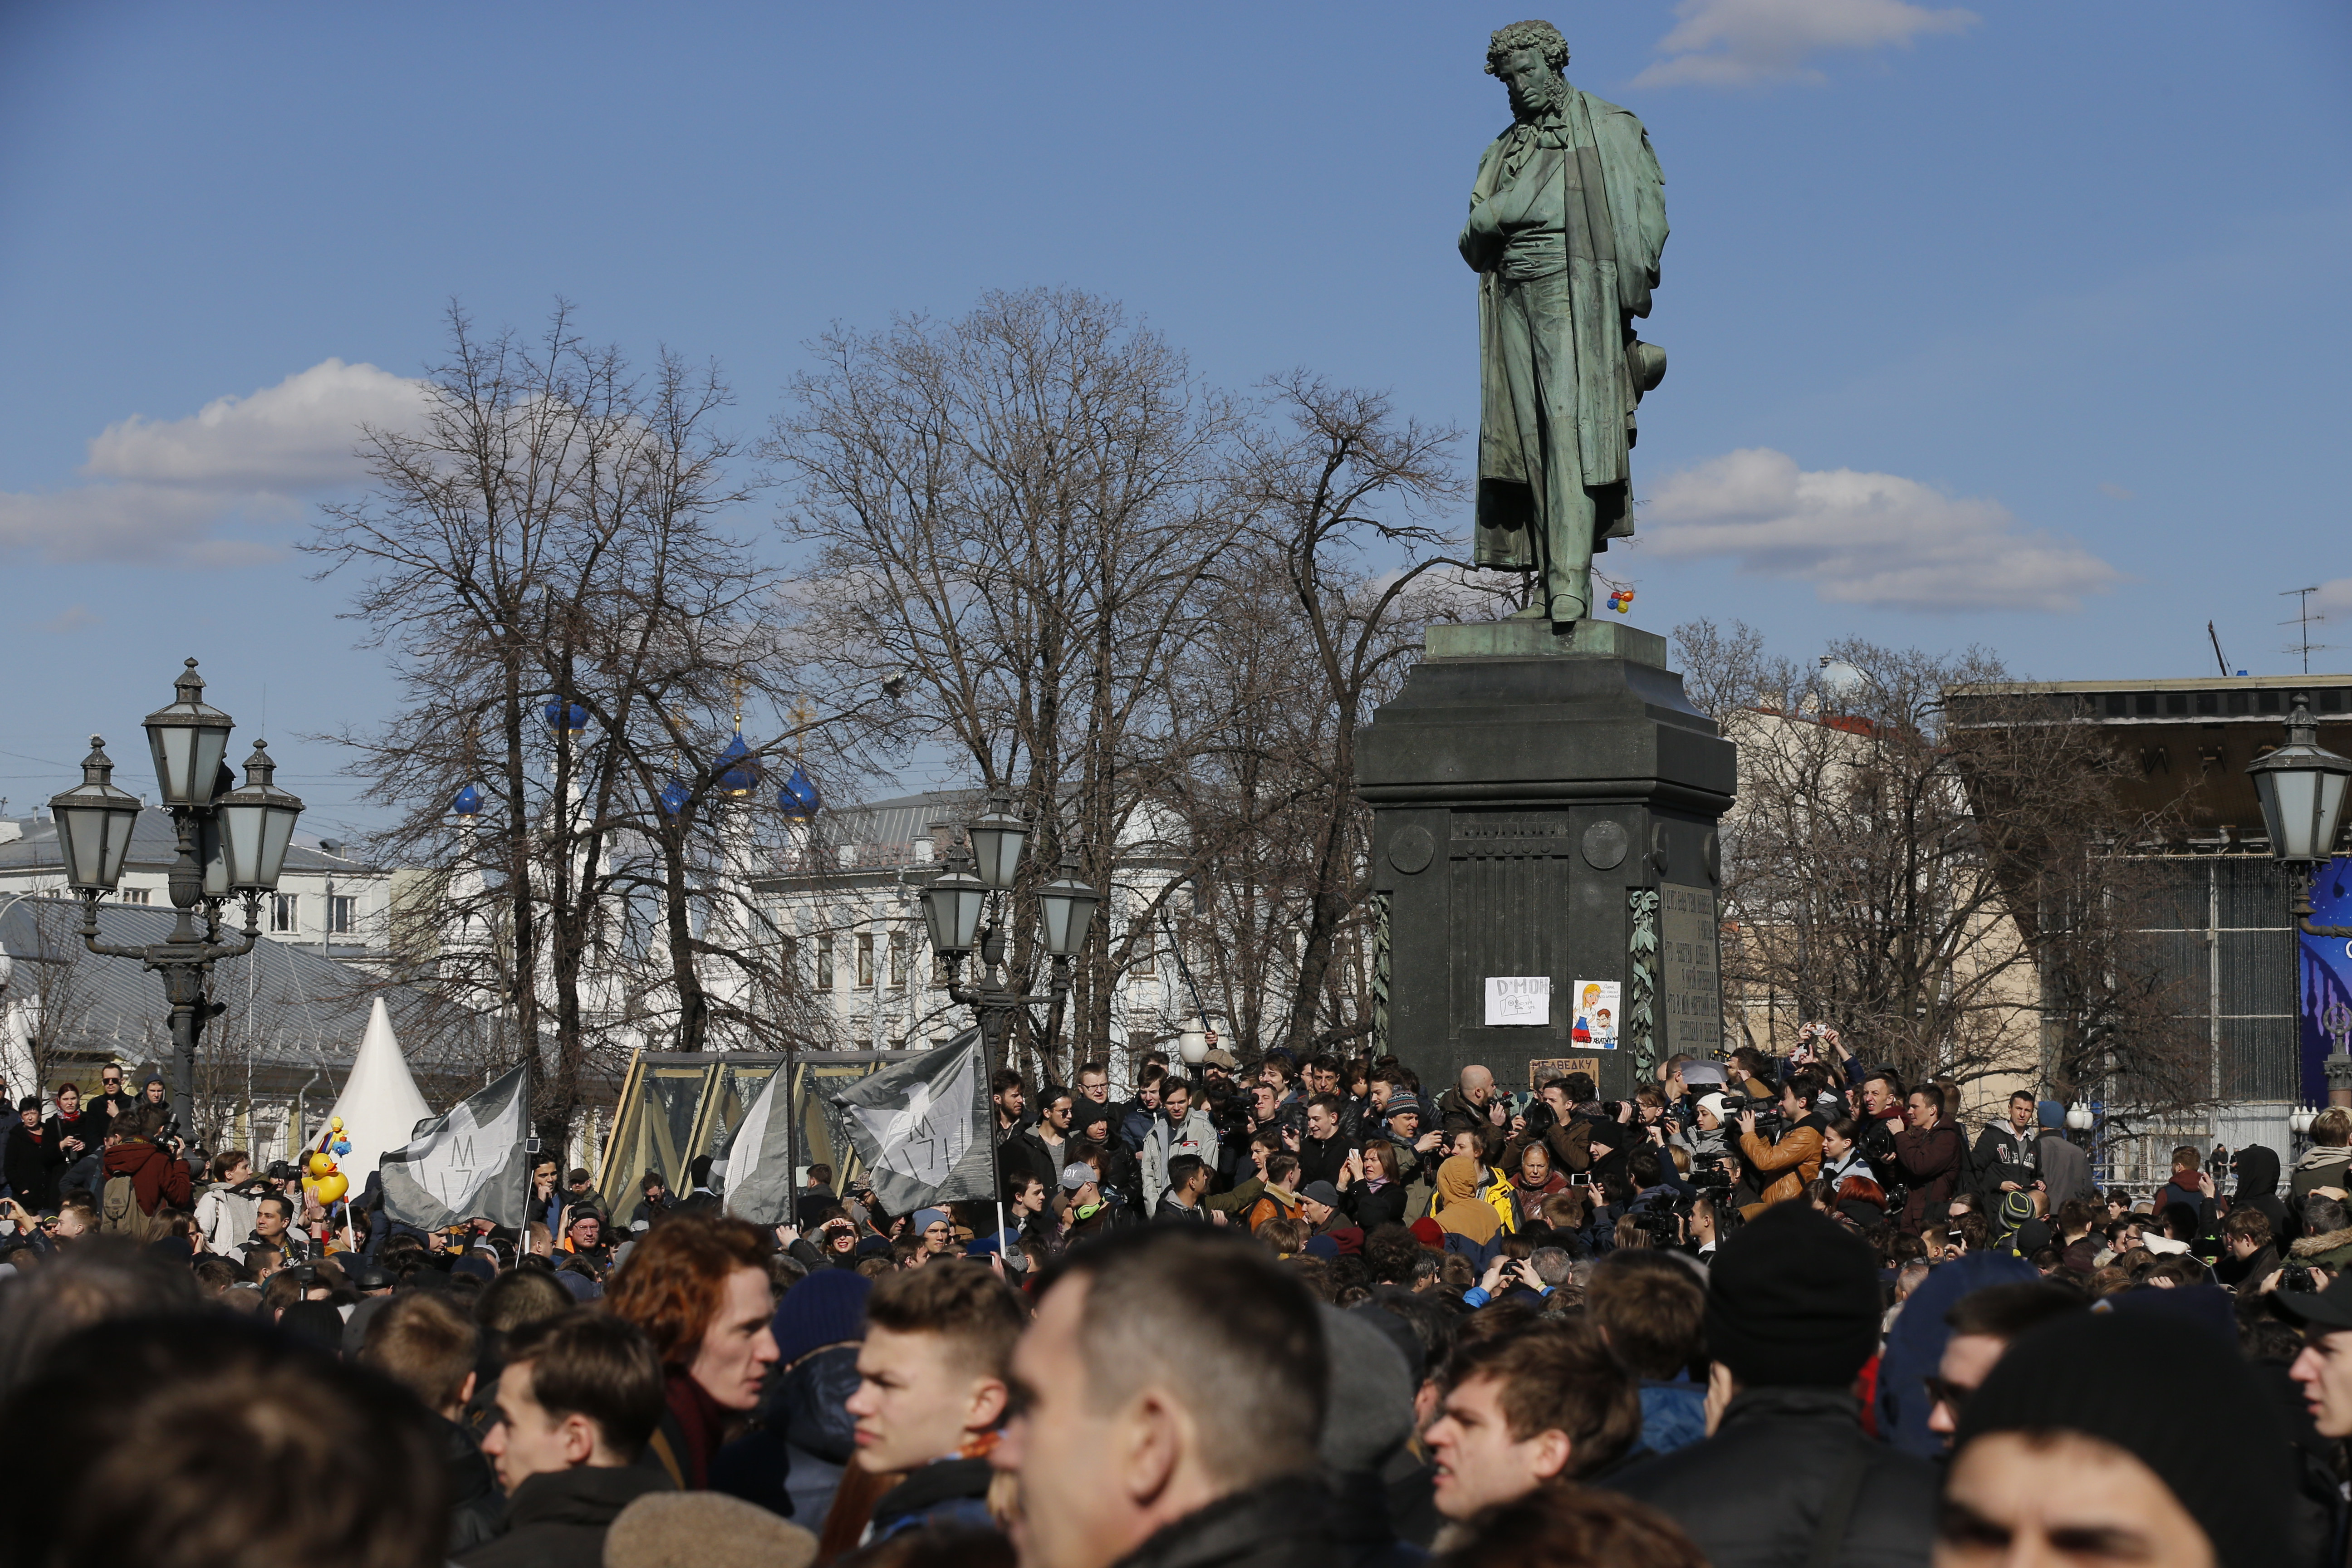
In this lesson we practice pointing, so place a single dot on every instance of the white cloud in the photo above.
(1734, 43)
(2114, 491)
(2334, 598)
(79, 617)
(163, 488)
(1867, 539)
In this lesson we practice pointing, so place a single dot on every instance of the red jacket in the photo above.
(155, 1177)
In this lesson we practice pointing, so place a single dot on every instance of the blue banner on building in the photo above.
(2326, 981)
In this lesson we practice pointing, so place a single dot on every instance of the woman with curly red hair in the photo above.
(698, 1285)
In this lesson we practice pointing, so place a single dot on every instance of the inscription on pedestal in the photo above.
(1690, 979)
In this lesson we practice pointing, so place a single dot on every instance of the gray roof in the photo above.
(884, 830)
(293, 1008)
(154, 846)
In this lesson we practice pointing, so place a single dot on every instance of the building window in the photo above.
(897, 961)
(341, 910)
(137, 895)
(285, 912)
(825, 964)
(865, 961)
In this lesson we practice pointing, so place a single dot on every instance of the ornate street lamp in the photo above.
(1067, 908)
(231, 842)
(956, 900)
(257, 826)
(94, 822)
(952, 906)
(1193, 1043)
(998, 838)
(2302, 786)
(190, 740)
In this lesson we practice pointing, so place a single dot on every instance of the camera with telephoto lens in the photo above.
(1662, 1225)
(2297, 1277)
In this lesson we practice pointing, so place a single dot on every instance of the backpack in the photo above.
(118, 1214)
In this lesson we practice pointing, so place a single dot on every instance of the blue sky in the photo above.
(2022, 324)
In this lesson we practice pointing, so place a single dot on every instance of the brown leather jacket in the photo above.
(1797, 1157)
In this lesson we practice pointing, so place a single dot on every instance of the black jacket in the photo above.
(26, 1169)
(1752, 1495)
(1286, 1523)
(1322, 1159)
(476, 1512)
(558, 1519)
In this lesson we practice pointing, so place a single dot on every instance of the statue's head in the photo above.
(1529, 58)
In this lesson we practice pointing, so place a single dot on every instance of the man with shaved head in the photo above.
(1473, 1104)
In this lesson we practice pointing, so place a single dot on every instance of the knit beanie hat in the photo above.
(828, 1307)
(2175, 1396)
(2050, 1112)
(1793, 1300)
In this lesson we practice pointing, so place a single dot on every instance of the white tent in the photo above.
(380, 1105)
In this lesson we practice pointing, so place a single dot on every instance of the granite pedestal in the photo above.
(1544, 810)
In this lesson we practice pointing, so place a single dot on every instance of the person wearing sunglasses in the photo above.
(113, 1099)
(1984, 1324)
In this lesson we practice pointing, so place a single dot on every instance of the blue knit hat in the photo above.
(827, 1308)
(2050, 1112)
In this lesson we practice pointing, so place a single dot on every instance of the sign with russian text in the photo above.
(1517, 1000)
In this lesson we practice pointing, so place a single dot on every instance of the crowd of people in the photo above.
(1764, 1312)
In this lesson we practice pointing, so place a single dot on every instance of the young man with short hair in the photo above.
(1182, 1128)
(2246, 1238)
(423, 1343)
(1983, 1323)
(931, 1380)
(578, 1398)
(1323, 1151)
(1927, 1153)
(273, 1227)
(1188, 1184)
(2004, 1150)
(1651, 1310)
(1524, 1410)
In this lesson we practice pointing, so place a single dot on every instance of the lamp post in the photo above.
(2302, 788)
(232, 844)
(957, 900)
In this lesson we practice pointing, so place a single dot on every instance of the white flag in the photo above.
(468, 1164)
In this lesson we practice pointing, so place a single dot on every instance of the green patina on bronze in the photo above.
(1567, 217)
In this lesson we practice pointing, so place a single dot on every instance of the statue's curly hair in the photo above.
(1528, 36)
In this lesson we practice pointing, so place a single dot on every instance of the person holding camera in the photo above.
(1785, 1166)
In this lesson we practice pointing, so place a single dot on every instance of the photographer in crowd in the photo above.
(1783, 1167)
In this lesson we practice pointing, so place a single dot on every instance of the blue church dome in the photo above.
(738, 774)
(674, 796)
(799, 797)
(561, 714)
(468, 802)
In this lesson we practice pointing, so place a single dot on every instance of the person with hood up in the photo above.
(2258, 1180)
(820, 1325)
(2326, 1238)
(1461, 1212)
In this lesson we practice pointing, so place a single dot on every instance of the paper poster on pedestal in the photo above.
(1596, 1014)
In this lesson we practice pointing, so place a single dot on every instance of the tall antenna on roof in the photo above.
(2304, 619)
(2216, 638)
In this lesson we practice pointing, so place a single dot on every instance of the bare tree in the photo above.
(1321, 611)
(547, 564)
(1954, 898)
(1013, 514)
